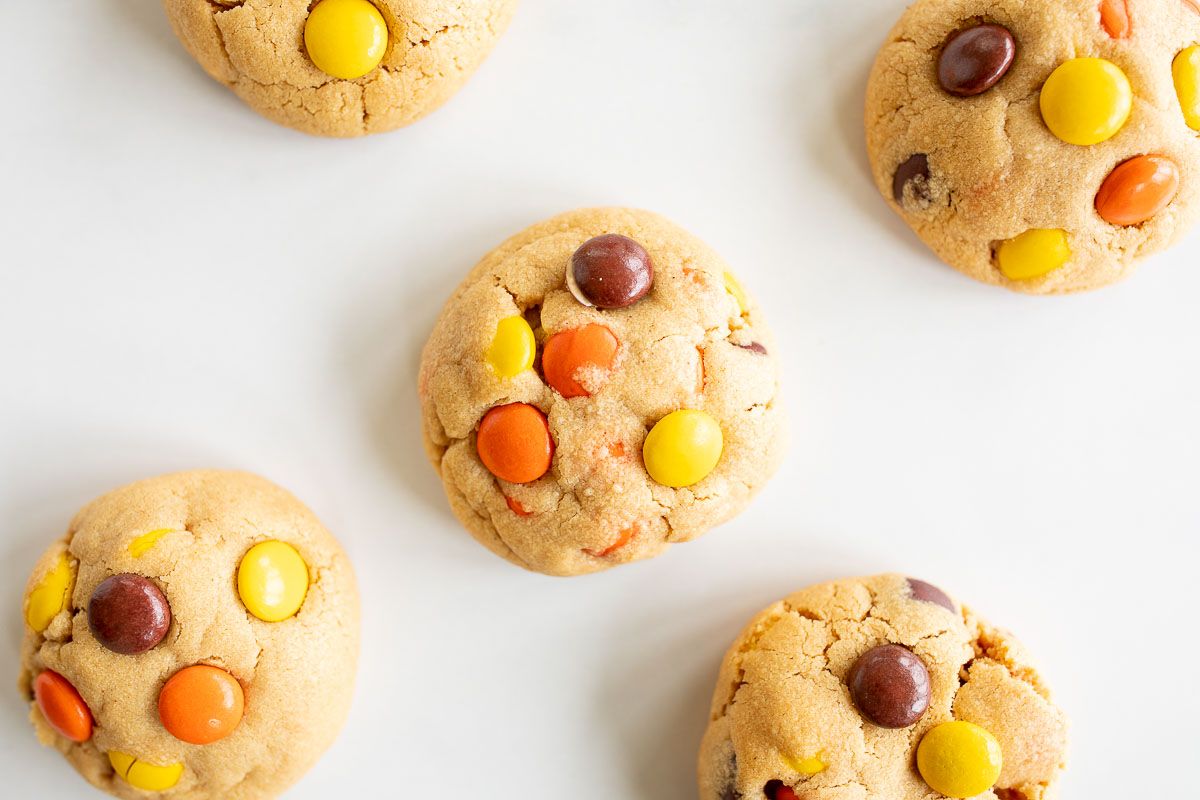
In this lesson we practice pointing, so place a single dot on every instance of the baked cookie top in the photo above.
(879, 688)
(599, 387)
(194, 636)
(341, 67)
(1042, 145)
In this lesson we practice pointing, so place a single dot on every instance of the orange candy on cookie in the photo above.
(201, 704)
(1138, 190)
(570, 353)
(514, 443)
(62, 706)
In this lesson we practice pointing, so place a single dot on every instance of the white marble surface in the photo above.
(184, 284)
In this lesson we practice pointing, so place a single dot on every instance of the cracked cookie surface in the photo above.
(694, 341)
(1018, 152)
(257, 48)
(785, 723)
(182, 540)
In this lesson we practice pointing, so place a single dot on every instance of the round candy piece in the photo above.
(890, 685)
(514, 443)
(1086, 101)
(62, 706)
(201, 704)
(272, 580)
(776, 790)
(912, 173)
(589, 348)
(734, 288)
(1034, 254)
(1138, 190)
(51, 595)
(345, 38)
(128, 614)
(959, 759)
(1186, 70)
(140, 775)
(513, 347)
(974, 59)
(928, 593)
(683, 448)
(610, 271)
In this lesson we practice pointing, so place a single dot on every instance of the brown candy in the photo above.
(754, 347)
(974, 60)
(610, 271)
(890, 685)
(928, 593)
(914, 171)
(128, 614)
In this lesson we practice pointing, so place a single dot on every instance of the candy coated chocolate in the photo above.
(128, 614)
(974, 60)
(915, 171)
(890, 685)
(754, 347)
(928, 593)
(611, 271)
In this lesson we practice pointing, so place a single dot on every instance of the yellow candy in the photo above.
(959, 759)
(345, 38)
(142, 544)
(1187, 84)
(272, 581)
(806, 766)
(51, 595)
(1087, 101)
(140, 775)
(736, 292)
(683, 448)
(1033, 254)
(513, 347)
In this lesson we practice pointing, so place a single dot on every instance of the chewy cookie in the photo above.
(879, 688)
(599, 387)
(341, 67)
(193, 636)
(1043, 145)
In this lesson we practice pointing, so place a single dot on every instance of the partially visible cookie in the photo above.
(1042, 145)
(880, 688)
(341, 67)
(599, 387)
(194, 637)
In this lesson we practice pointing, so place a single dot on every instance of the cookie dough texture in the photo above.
(996, 170)
(297, 675)
(781, 697)
(685, 345)
(256, 48)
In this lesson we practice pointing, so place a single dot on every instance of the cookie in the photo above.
(600, 386)
(341, 67)
(193, 636)
(880, 688)
(1042, 145)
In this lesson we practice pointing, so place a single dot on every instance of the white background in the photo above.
(185, 284)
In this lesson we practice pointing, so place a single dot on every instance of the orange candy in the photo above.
(622, 540)
(1137, 190)
(568, 352)
(515, 506)
(62, 706)
(514, 443)
(1114, 18)
(201, 704)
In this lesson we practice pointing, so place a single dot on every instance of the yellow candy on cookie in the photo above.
(144, 776)
(346, 38)
(959, 759)
(272, 581)
(1034, 254)
(51, 595)
(1186, 71)
(513, 348)
(1087, 101)
(683, 448)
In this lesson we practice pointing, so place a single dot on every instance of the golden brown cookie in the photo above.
(1042, 145)
(194, 637)
(879, 688)
(341, 67)
(600, 386)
